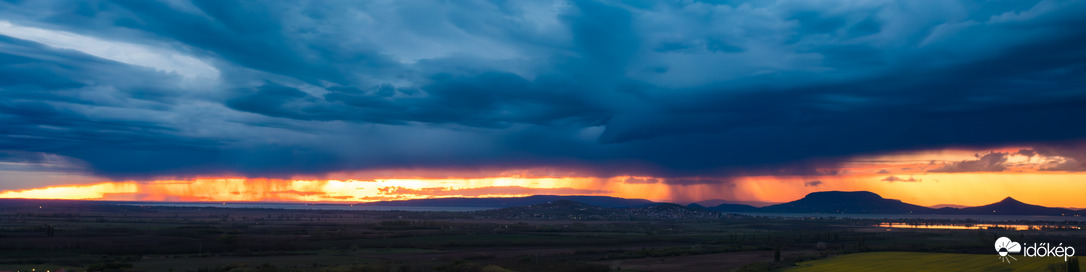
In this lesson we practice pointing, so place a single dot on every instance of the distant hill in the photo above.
(726, 207)
(1010, 206)
(846, 202)
(717, 202)
(500, 202)
(571, 210)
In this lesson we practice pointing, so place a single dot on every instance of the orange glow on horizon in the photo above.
(1055, 189)
(923, 177)
(1052, 189)
(240, 189)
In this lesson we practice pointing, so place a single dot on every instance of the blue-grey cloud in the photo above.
(693, 89)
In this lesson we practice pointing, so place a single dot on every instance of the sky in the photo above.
(930, 102)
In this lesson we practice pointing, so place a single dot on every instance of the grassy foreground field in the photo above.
(915, 261)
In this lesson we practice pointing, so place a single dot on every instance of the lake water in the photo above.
(899, 225)
(888, 217)
(296, 206)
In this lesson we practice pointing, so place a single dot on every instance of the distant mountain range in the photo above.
(571, 210)
(869, 203)
(837, 202)
(502, 202)
(717, 202)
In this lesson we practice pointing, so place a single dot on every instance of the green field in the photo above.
(915, 261)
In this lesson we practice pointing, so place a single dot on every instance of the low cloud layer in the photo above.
(679, 90)
(1068, 156)
(897, 179)
(485, 191)
(991, 162)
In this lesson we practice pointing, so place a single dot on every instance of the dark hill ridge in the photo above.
(717, 202)
(846, 202)
(728, 207)
(571, 210)
(1011, 206)
(500, 202)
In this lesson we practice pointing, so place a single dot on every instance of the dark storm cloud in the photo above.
(814, 183)
(37, 162)
(47, 108)
(490, 101)
(675, 90)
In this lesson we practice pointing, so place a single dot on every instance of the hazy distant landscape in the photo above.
(539, 233)
(822, 204)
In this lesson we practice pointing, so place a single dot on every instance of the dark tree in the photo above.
(777, 254)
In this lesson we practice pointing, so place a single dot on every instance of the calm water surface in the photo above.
(889, 217)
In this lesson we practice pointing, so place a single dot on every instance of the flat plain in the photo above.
(79, 236)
